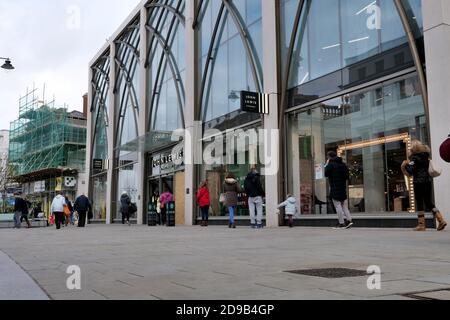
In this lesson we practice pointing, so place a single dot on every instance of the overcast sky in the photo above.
(52, 42)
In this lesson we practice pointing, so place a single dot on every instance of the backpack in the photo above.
(133, 208)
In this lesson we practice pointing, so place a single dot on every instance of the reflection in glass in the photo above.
(370, 129)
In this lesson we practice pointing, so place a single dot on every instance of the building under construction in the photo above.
(47, 149)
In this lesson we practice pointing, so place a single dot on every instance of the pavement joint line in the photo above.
(182, 285)
(120, 281)
(136, 275)
(32, 278)
(101, 294)
(270, 287)
(159, 298)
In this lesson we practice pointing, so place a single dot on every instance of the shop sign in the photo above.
(255, 102)
(98, 164)
(167, 161)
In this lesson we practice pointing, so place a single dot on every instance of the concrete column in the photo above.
(436, 16)
(189, 114)
(143, 119)
(89, 137)
(271, 85)
(110, 192)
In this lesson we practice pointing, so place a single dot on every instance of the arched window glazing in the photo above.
(99, 106)
(166, 63)
(231, 54)
(127, 84)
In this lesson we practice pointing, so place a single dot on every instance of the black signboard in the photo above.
(98, 164)
(255, 102)
(152, 217)
(170, 214)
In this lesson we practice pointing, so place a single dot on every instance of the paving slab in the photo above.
(16, 284)
(138, 262)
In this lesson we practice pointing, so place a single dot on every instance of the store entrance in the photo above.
(156, 187)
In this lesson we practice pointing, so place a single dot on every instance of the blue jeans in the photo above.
(232, 211)
(205, 213)
(17, 217)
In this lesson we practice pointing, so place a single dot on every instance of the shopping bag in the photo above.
(433, 170)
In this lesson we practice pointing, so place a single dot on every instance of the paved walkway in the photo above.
(138, 262)
(16, 284)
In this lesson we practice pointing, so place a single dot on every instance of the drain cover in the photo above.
(331, 273)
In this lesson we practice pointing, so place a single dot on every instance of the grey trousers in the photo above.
(17, 216)
(256, 210)
(342, 211)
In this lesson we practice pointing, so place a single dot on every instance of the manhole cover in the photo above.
(332, 273)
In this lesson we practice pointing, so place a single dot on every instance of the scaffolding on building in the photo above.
(45, 137)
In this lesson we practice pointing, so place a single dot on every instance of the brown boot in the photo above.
(442, 223)
(422, 225)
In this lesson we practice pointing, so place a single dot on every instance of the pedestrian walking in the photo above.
(338, 175)
(419, 167)
(68, 211)
(125, 204)
(204, 201)
(255, 192)
(291, 209)
(57, 210)
(82, 206)
(165, 199)
(20, 211)
(231, 190)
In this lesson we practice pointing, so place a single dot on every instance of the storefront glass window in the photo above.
(230, 71)
(336, 34)
(370, 130)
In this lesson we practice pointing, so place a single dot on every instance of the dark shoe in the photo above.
(253, 226)
(259, 226)
(340, 227)
(234, 226)
(230, 226)
(349, 224)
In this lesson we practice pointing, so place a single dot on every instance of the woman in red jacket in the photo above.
(204, 201)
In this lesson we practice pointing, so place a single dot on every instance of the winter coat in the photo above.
(82, 204)
(165, 198)
(125, 203)
(418, 167)
(253, 186)
(203, 197)
(290, 206)
(338, 174)
(20, 205)
(231, 189)
(58, 204)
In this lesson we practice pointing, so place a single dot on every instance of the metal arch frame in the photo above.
(128, 92)
(227, 8)
(100, 85)
(416, 57)
(163, 13)
(165, 45)
(247, 42)
(169, 8)
(202, 111)
(167, 53)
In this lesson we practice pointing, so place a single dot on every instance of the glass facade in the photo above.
(230, 62)
(370, 130)
(167, 65)
(100, 105)
(350, 85)
(127, 110)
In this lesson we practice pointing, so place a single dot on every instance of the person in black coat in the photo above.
(82, 206)
(20, 212)
(417, 166)
(338, 174)
(125, 206)
(255, 192)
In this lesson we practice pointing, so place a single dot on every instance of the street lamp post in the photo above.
(7, 65)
